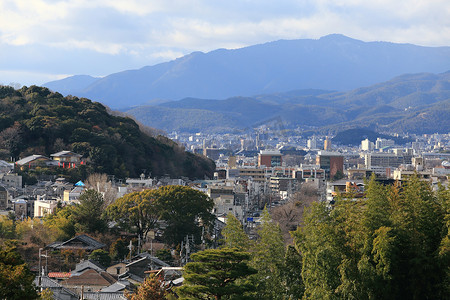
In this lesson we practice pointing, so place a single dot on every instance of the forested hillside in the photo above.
(416, 103)
(36, 121)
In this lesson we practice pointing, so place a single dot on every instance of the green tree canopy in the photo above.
(88, 215)
(234, 234)
(268, 259)
(136, 212)
(184, 210)
(16, 280)
(217, 274)
(387, 246)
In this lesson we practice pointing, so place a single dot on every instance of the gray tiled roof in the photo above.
(103, 296)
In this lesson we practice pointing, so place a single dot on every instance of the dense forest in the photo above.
(34, 120)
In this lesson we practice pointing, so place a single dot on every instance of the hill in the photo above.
(333, 62)
(416, 103)
(36, 121)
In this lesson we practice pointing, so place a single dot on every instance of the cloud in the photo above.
(115, 34)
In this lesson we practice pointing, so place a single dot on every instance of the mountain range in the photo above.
(334, 62)
(418, 103)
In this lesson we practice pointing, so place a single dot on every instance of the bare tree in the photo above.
(290, 215)
(101, 184)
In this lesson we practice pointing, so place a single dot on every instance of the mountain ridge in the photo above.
(333, 62)
(394, 103)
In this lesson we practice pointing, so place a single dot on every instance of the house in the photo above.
(142, 263)
(6, 167)
(59, 291)
(33, 161)
(89, 280)
(80, 242)
(73, 194)
(67, 159)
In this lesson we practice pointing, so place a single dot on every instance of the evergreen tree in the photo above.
(217, 274)
(234, 234)
(292, 274)
(268, 259)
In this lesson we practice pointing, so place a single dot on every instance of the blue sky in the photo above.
(44, 40)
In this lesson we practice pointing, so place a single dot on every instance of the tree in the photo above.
(136, 212)
(151, 289)
(383, 247)
(119, 249)
(217, 274)
(268, 259)
(16, 280)
(101, 256)
(61, 222)
(234, 234)
(292, 274)
(184, 210)
(101, 184)
(88, 215)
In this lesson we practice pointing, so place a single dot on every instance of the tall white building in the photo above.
(367, 145)
(381, 143)
(312, 143)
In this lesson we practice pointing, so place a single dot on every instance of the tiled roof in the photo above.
(87, 243)
(59, 274)
(103, 296)
(29, 159)
(65, 153)
(90, 277)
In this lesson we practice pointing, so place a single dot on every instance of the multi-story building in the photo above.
(382, 143)
(269, 158)
(386, 160)
(367, 145)
(331, 162)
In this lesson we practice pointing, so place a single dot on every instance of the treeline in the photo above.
(394, 244)
(34, 120)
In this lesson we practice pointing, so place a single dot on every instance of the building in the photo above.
(385, 160)
(312, 143)
(67, 159)
(269, 158)
(44, 207)
(3, 198)
(33, 161)
(331, 162)
(383, 143)
(327, 144)
(367, 145)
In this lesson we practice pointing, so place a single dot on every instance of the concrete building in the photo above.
(327, 144)
(44, 207)
(331, 162)
(367, 145)
(382, 143)
(385, 160)
(3, 198)
(269, 158)
(312, 143)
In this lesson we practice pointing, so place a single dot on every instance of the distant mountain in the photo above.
(333, 62)
(356, 135)
(71, 84)
(408, 103)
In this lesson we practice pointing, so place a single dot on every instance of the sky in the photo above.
(45, 40)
